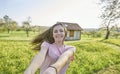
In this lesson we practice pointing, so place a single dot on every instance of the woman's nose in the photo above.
(59, 32)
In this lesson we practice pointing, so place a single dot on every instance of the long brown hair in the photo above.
(46, 36)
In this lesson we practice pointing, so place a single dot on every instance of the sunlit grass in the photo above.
(90, 57)
(93, 55)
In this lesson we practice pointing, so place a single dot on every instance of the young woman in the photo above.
(54, 57)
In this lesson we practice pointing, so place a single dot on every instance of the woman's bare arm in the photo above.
(37, 61)
(64, 58)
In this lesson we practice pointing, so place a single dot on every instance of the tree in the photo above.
(35, 28)
(13, 25)
(110, 14)
(2, 25)
(93, 33)
(7, 22)
(26, 25)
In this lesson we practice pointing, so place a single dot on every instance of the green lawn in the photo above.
(17, 35)
(93, 56)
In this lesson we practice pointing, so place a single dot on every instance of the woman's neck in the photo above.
(59, 44)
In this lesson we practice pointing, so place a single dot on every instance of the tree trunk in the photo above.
(108, 30)
(27, 32)
(8, 30)
(107, 34)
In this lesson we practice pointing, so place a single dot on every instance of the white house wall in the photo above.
(68, 33)
(76, 35)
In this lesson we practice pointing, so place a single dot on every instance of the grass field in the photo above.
(17, 35)
(93, 56)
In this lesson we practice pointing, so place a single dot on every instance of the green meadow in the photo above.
(93, 55)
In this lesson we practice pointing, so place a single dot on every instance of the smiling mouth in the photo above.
(59, 36)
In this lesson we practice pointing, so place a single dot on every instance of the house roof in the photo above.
(71, 26)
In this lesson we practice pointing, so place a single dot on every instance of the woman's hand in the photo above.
(50, 70)
(71, 58)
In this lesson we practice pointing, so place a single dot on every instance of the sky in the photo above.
(48, 12)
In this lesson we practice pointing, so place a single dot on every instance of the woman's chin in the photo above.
(59, 40)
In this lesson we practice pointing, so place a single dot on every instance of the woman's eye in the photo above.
(55, 31)
(61, 30)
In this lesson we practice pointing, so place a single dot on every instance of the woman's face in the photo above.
(58, 33)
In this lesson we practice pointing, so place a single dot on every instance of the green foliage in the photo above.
(113, 41)
(91, 57)
(92, 33)
(110, 14)
(14, 56)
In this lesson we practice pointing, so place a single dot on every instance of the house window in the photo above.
(71, 33)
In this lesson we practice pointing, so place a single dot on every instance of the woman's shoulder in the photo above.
(45, 43)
